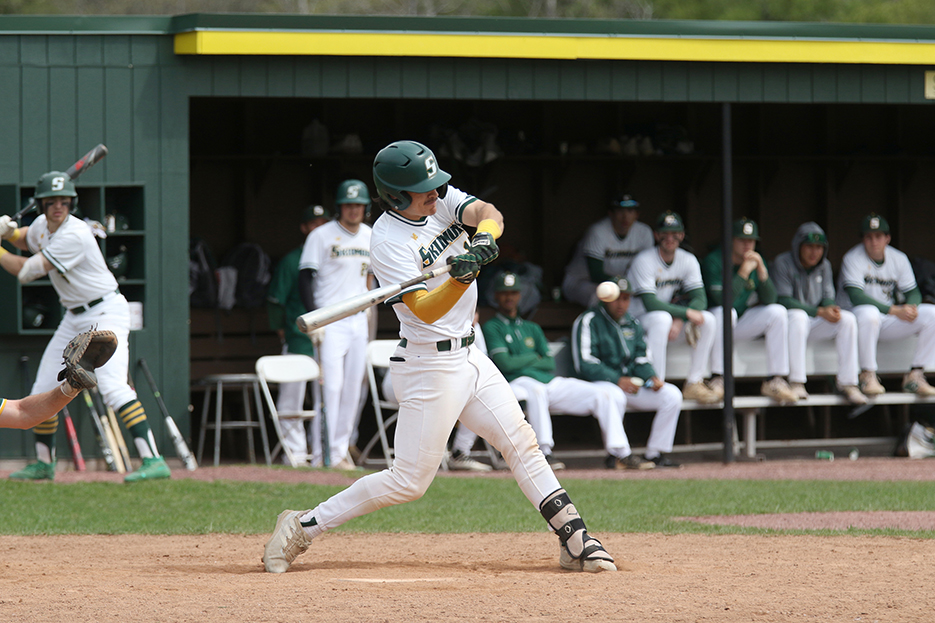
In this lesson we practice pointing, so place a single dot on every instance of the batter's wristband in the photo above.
(15, 235)
(489, 226)
(3, 251)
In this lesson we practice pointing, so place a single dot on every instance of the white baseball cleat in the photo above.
(288, 541)
(593, 561)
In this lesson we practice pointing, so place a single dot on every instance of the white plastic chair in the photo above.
(288, 368)
(378, 356)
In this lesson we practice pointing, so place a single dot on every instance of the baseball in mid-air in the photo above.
(608, 291)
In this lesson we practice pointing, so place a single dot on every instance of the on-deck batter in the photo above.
(64, 248)
(335, 265)
(438, 374)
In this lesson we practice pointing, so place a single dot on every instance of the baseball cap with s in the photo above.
(746, 229)
(874, 222)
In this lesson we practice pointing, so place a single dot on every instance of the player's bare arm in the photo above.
(479, 211)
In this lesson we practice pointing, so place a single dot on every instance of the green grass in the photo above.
(451, 505)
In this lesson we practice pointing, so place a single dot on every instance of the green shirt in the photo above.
(284, 304)
(747, 292)
(519, 348)
(605, 349)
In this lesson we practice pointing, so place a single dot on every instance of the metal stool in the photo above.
(221, 383)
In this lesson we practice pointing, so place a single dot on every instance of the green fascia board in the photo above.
(170, 25)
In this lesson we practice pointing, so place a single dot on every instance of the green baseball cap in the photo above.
(746, 229)
(874, 222)
(669, 221)
(816, 237)
(508, 282)
(313, 212)
(624, 285)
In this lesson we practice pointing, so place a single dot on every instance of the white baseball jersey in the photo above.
(602, 243)
(341, 260)
(648, 274)
(402, 249)
(883, 282)
(80, 274)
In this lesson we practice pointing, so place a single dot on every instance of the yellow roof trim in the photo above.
(554, 47)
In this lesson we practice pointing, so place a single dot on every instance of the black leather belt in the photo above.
(445, 345)
(83, 308)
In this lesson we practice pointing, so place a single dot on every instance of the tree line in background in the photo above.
(850, 11)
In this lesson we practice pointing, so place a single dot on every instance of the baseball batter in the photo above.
(878, 285)
(439, 376)
(64, 248)
(754, 313)
(606, 250)
(660, 277)
(335, 265)
(608, 349)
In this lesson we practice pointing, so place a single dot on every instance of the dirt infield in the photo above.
(482, 577)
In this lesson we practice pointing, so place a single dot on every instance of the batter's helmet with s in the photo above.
(404, 167)
(56, 184)
(353, 191)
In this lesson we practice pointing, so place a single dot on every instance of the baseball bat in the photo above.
(181, 448)
(332, 313)
(76, 455)
(108, 434)
(118, 434)
(84, 163)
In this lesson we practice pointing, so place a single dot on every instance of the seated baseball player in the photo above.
(606, 249)
(878, 285)
(609, 350)
(670, 301)
(755, 311)
(805, 286)
(519, 348)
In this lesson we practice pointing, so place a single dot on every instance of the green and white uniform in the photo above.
(521, 351)
(603, 351)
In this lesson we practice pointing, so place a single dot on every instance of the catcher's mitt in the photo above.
(85, 352)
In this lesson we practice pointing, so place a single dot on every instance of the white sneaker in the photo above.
(799, 390)
(777, 389)
(869, 383)
(288, 541)
(914, 383)
(699, 392)
(345, 464)
(716, 384)
(460, 461)
(853, 394)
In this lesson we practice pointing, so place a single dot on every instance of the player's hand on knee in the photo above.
(484, 247)
(464, 268)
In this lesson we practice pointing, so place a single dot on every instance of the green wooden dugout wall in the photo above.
(68, 83)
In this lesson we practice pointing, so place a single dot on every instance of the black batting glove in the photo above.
(484, 247)
(464, 268)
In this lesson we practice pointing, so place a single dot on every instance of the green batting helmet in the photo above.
(407, 166)
(56, 184)
(353, 191)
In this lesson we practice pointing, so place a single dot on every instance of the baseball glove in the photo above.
(85, 352)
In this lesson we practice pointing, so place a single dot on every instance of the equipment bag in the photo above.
(253, 273)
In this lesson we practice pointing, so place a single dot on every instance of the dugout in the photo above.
(205, 115)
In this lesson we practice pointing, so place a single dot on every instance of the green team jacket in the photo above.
(604, 349)
(519, 348)
(284, 305)
(747, 293)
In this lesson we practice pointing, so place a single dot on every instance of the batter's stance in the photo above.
(438, 375)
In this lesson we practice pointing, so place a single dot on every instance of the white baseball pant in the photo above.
(111, 315)
(657, 325)
(873, 326)
(665, 403)
(435, 390)
(803, 328)
(343, 366)
(571, 396)
(770, 321)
